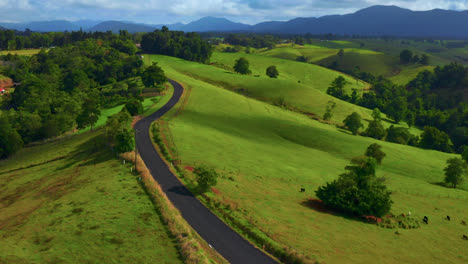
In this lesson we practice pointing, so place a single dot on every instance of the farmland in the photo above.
(266, 154)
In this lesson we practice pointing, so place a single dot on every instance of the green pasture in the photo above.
(266, 154)
(77, 203)
(25, 52)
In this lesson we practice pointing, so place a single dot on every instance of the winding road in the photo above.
(221, 237)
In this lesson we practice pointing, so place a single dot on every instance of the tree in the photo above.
(89, 115)
(375, 130)
(134, 107)
(153, 75)
(206, 178)
(465, 154)
(340, 53)
(455, 171)
(433, 138)
(406, 56)
(302, 59)
(124, 141)
(272, 72)
(377, 115)
(336, 88)
(424, 59)
(242, 66)
(10, 140)
(357, 191)
(375, 151)
(397, 109)
(329, 110)
(353, 122)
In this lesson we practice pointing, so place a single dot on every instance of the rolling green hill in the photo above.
(266, 154)
(73, 201)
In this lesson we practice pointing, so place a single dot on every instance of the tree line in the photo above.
(433, 99)
(188, 46)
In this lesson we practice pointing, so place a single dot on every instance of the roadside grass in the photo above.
(84, 207)
(308, 96)
(24, 52)
(265, 154)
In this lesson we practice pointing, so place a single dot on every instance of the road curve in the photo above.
(221, 237)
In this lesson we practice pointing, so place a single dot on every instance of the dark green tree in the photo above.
(465, 154)
(340, 53)
(10, 140)
(353, 123)
(89, 115)
(375, 151)
(329, 110)
(357, 191)
(242, 66)
(272, 72)
(375, 130)
(455, 171)
(433, 138)
(406, 56)
(124, 141)
(336, 88)
(153, 75)
(424, 59)
(397, 109)
(206, 178)
(134, 107)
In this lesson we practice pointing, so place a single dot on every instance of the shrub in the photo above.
(357, 191)
(206, 178)
(272, 72)
(374, 151)
(242, 66)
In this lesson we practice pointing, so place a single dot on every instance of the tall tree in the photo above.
(455, 171)
(353, 123)
(89, 115)
(153, 75)
(242, 66)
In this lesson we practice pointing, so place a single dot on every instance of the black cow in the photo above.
(448, 218)
(302, 189)
(426, 220)
(465, 237)
(463, 222)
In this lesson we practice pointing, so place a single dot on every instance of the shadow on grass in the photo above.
(319, 206)
(91, 152)
(441, 184)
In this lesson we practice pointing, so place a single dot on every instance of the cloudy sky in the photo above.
(166, 11)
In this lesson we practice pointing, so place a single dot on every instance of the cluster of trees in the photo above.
(431, 138)
(16, 40)
(358, 191)
(188, 46)
(433, 99)
(407, 57)
(63, 89)
(252, 40)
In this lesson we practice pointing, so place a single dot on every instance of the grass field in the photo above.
(409, 74)
(266, 154)
(25, 52)
(308, 96)
(84, 207)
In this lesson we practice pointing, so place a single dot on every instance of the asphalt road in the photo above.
(221, 237)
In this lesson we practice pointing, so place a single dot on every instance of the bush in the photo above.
(375, 151)
(375, 130)
(433, 138)
(206, 178)
(353, 123)
(124, 141)
(357, 191)
(272, 72)
(10, 140)
(134, 107)
(242, 66)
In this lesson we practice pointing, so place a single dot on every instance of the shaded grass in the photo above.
(86, 207)
(266, 154)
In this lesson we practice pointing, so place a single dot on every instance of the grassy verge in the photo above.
(72, 201)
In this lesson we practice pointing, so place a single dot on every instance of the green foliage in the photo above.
(465, 154)
(353, 123)
(401, 135)
(397, 109)
(455, 171)
(337, 88)
(124, 141)
(329, 110)
(272, 72)
(433, 138)
(153, 75)
(375, 130)
(206, 178)
(424, 59)
(406, 56)
(357, 191)
(340, 53)
(375, 151)
(10, 140)
(242, 66)
(134, 107)
(89, 115)
(302, 59)
(188, 46)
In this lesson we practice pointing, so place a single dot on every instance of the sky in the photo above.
(167, 12)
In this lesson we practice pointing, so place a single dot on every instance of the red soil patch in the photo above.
(216, 191)
(372, 219)
(136, 119)
(189, 168)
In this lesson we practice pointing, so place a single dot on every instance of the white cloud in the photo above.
(160, 11)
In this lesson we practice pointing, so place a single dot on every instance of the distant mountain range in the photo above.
(375, 20)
